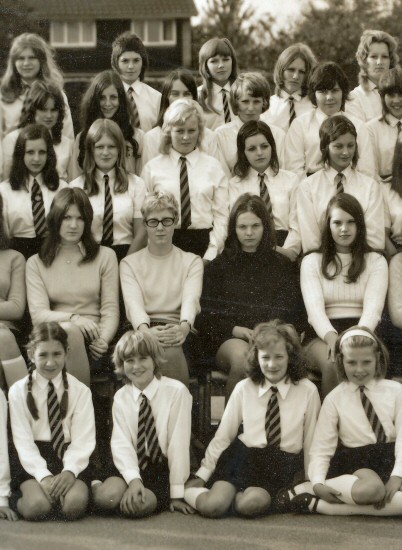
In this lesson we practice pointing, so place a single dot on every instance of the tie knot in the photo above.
(274, 389)
(106, 178)
(362, 388)
(51, 385)
(291, 98)
(130, 90)
(183, 159)
(223, 91)
(261, 176)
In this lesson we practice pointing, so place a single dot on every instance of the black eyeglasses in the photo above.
(154, 222)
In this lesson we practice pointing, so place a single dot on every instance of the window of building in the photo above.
(156, 32)
(73, 34)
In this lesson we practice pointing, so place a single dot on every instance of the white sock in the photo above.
(14, 369)
(304, 487)
(394, 508)
(343, 484)
(192, 493)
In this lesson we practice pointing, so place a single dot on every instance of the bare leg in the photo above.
(77, 362)
(34, 504)
(231, 358)
(317, 354)
(75, 502)
(176, 366)
(107, 495)
(12, 362)
(216, 502)
(254, 501)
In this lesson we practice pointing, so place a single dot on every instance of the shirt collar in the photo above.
(331, 172)
(285, 95)
(283, 387)
(43, 382)
(149, 391)
(217, 89)
(38, 178)
(369, 386)
(191, 157)
(135, 86)
(371, 86)
(269, 172)
(392, 121)
(99, 176)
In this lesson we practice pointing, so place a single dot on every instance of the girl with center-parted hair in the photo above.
(106, 98)
(30, 60)
(44, 104)
(162, 285)
(328, 90)
(277, 408)
(74, 281)
(196, 180)
(257, 172)
(105, 178)
(248, 283)
(376, 53)
(343, 283)
(338, 173)
(29, 191)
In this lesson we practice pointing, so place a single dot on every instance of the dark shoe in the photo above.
(282, 502)
(300, 503)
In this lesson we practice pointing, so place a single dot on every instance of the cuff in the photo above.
(211, 253)
(204, 473)
(4, 501)
(177, 491)
(130, 476)
(397, 471)
(41, 474)
(315, 480)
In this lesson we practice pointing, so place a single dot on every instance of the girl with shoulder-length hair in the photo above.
(343, 283)
(248, 283)
(376, 54)
(30, 189)
(30, 59)
(74, 281)
(116, 195)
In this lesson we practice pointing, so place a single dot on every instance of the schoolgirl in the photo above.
(291, 74)
(44, 104)
(151, 434)
(278, 408)
(116, 196)
(355, 458)
(30, 189)
(249, 97)
(339, 158)
(328, 90)
(30, 59)
(257, 172)
(5, 510)
(218, 70)
(376, 53)
(395, 313)
(105, 98)
(130, 61)
(53, 428)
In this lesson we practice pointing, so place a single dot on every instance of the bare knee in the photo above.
(213, 506)
(34, 507)
(368, 491)
(75, 503)
(8, 345)
(252, 502)
(108, 495)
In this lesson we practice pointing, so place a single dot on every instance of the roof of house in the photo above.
(115, 9)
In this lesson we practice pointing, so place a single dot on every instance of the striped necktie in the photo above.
(292, 112)
(399, 127)
(56, 427)
(148, 449)
(107, 236)
(339, 180)
(226, 109)
(134, 110)
(372, 417)
(184, 195)
(38, 210)
(264, 194)
(273, 419)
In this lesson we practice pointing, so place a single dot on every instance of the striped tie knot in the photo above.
(107, 235)
(134, 109)
(273, 419)
(226, 110)
(56, 427)
(264, 194)
(339, 181)
(399, 126)
(372, 417)
(38, 209)
(292, 112)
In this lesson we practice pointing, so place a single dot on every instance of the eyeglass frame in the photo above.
(159, 221)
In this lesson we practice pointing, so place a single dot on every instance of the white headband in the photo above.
(356, 332)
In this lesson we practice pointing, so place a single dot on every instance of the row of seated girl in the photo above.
(284, 435)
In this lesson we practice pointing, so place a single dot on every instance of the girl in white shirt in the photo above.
(104, 166)
(278, 408)
(291, 74)
(52, 420)
(356, 453)
(218, 70)
(5, 511)
(44, 104)
(149, 477)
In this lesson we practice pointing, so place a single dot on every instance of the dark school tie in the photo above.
(148, 449)
(184, 195)
(107, 235)
(273, 419)
(372, 417)
(38, 210)
(56, 428)
(292, 112)
(399, 127)
(226, 109)
(134, 110)
(264, 194)
(339, 180)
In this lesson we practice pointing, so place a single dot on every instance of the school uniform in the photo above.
(32, 437)
(278, 113)
(4, 461)
(364, 102)
(383, 134)
(12, 287)
(302, 144)
(63, 152)
(18, 217)
(393, 213)
(227, 142)
(344, 440)
(208, 188)
(147, 100)
(314, 193)
(215, 119)
(170, 402)
(281, 188)
(249, 460)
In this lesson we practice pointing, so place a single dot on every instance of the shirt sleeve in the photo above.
(295, 158)
(123, 451)
(310, 422)
(309, 228)
(397, 470)
(68, 128)
(365, 163)
(133, 296)
(375, 293)
(374, 216)
(220, 216)
(4, 462)
(109, 298)
(394, 292)
(13, 307)
(293, 239)
(190, 304)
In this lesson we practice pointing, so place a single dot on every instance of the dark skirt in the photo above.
(379, 457)
(27, 247)
(339, 324)
(281, 235)
(120, 251)
(192, 240)
(269, 467)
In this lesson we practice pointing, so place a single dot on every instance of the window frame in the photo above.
(80, 44)
(160, 42)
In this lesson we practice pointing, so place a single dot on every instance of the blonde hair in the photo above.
(368, 38)
(160, 200)
(176, 115)
(138, 343)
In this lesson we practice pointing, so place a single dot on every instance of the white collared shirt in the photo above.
(279, 109)
(302, 144)
(126, 206)
(4, 461)
(393, 212)
(299, 405)
(214, 120)
(364, 102)
(170, 402)
(208, 191)
(342, 419)
(148, 102)
(383, 135)
(394, 291)
(314, 193)
(17, 206)
(78, 425)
